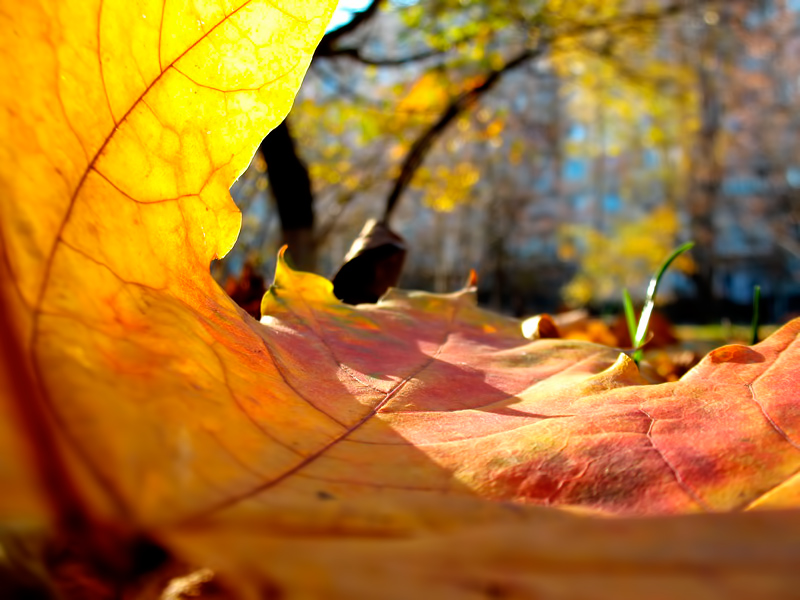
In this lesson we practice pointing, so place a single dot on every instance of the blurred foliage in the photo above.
(624, 259)
(586, 159)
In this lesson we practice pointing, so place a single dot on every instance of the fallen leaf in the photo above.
(372, 265)
(144, 402)
(531, 554)
(247, 289)
(540, 327)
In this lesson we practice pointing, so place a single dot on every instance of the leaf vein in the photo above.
(687, 489)
(777, 428)
(235, 90)
(160, 34)
(235, 499)
(100, 62)
(241, 408)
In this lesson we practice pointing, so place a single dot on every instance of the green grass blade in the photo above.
(756, 314)
(630, 314)
(650, 300)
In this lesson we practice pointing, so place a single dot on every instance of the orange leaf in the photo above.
(513, 554)
(137, 396)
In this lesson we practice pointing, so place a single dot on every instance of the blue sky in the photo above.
(344, 12)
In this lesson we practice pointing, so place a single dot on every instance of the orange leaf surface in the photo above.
(136, 392)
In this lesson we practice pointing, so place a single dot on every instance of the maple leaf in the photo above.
(139, 400)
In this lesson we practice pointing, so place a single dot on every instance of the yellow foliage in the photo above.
(495, 128)
(618, 86)
(428, 94)
(446, 187)
(626, 258)
(516, 151)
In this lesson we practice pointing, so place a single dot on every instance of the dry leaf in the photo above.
(139, 400)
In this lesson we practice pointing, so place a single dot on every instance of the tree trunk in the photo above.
(291, 188)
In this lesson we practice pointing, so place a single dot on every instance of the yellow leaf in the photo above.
(429, 93)
(124, 124)
(495, 128)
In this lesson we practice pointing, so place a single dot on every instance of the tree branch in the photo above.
(631, 19)
(326, 48)
(355, 54)
(421, 147)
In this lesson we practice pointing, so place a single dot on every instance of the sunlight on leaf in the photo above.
(386, 432)
(128, 124)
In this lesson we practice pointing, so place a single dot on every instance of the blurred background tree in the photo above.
(559, 147)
